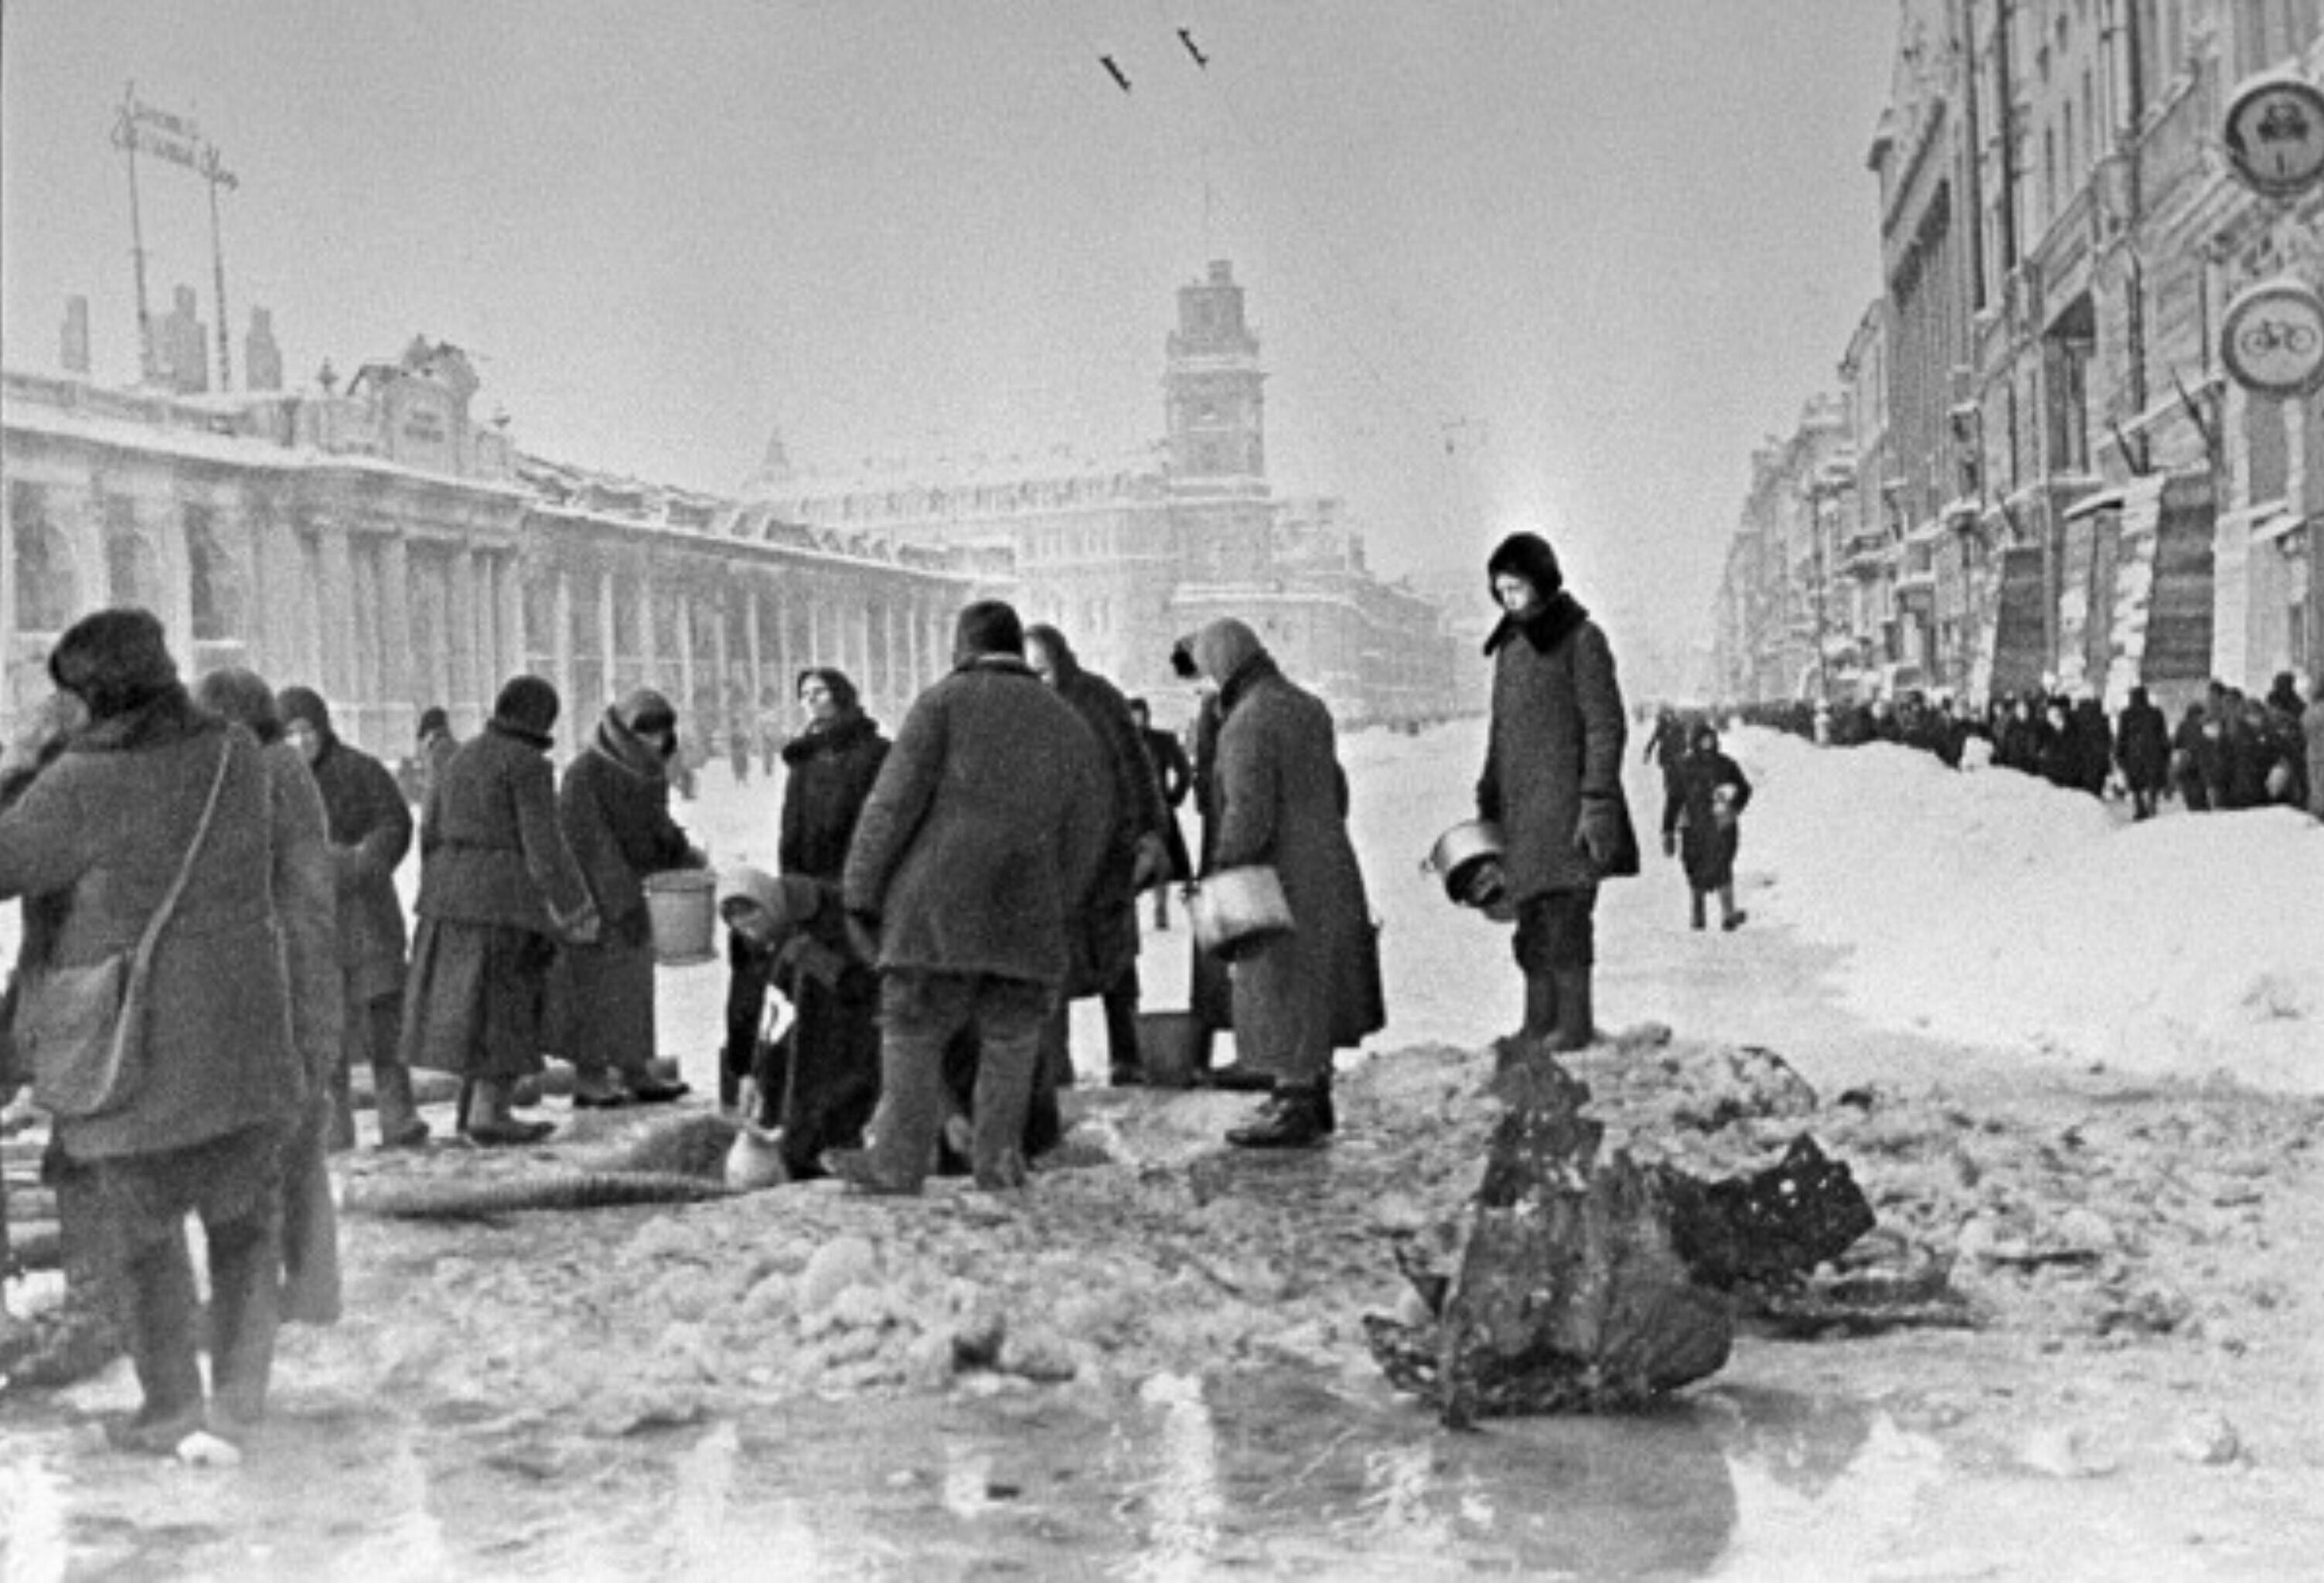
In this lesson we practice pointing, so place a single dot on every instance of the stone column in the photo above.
(560, 643)
(649, 651)
(462, 634)
(608, 630)
(338, 593)
(511, 586)
(721, 608)
(396, 685)
(814, 654)
(686, 656)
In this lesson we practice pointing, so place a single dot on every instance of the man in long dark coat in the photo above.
(1174, 775)
(2141, 747)
(983, 830)
(1553, 782)
(1137, 853)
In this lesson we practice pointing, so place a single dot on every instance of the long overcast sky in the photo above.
(1548, 263)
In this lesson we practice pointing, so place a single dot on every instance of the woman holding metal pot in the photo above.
(1282, 804)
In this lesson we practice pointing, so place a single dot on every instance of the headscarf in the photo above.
(1225, 649)
(244, 697)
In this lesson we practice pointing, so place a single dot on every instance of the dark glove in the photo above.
(1600, 836)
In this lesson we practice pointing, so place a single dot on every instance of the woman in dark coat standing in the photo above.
(1283, 804)
(615, 807)
(498, 888)
(1712, 795)
(820, 1083)
(1553, 782)
(108, 826)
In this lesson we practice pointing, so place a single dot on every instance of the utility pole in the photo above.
(214, 172)
(124, 138)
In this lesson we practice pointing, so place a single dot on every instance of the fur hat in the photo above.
(989, 626)
(1527, 555)
(113, 661)
(434, 719)
(529, 703)
(244, 697)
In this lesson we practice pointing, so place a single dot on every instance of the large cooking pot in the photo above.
(1460, 853)
(1237, 908)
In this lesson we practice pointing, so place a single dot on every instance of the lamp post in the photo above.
(214, 172)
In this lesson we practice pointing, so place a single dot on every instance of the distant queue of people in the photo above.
(2227, 751)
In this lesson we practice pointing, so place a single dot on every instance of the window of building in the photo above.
(132, 570)
(46, 592)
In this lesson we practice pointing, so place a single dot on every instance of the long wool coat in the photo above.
(371, 835)
(491, 849)
(614, 806)
(983, 830)
(1282, 803)
(829, 773)
(1105, 924)
(1555, 752)
(1706, 848)
(106, 826)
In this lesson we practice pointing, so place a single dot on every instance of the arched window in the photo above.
(46, 591)
(216, 581)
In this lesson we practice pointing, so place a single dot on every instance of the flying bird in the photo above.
(1113, 71)
(1186, 37)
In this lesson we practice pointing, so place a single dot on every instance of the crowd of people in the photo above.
(2227, 751)
(226, 864)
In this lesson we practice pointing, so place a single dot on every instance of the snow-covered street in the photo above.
(2027, 998)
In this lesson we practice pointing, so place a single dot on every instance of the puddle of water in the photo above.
(1191, 1479)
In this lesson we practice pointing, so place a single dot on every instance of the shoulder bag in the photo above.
(82, 1029)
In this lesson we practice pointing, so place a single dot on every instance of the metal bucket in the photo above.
(1239, 908)
(1165, 1047)
(682, 908)
(1459, 852)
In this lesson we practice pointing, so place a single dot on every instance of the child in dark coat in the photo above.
(1714, 794)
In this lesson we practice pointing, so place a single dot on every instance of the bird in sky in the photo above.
(1186, 37)
(1113, 69)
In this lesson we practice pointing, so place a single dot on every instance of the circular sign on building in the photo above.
(2272, 338)
(2274, 134)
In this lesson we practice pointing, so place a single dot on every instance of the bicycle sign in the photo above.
(2272, 338)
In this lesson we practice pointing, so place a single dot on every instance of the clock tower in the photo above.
(1212, 388)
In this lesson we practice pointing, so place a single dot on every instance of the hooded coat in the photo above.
(1706, 847)
(107, 827)
(369, 834)
(2143, 744)
(1281, 801)
(614, 806)
(984, 829)
(1554, 755)
(1105, 923)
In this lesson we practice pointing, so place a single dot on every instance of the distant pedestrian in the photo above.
(2142, 750)
(1666, 747)
(1176, 776)
(1553, 782)
(436, 746)
(983, 831)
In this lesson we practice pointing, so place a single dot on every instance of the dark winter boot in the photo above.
(1694, 911)
(1125, 1062)
(1731, 917)
(399, 1124)
(160, 1315)
(1294, 1119)
(1541, 1006)
(1574, 1029)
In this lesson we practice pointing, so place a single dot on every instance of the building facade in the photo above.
(1125, 558)
(381, 545)
(2072, 493)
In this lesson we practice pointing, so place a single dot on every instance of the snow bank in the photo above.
(1991, 908)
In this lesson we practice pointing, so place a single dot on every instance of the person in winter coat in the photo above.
(2057, 756)
(984, 828)
(1175, 777)
(2093, 745)
(1105, 924)
(369, 835)
(310, 1238)
(436, 746)
(1283, 804)
(1715, 793)
(498, 888)
(820, 1083)
(107, 828)
(1666, 748)
(2142, 750)
(1553, 782)
(1210, 995)
(2195, 759)
(613, 806)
